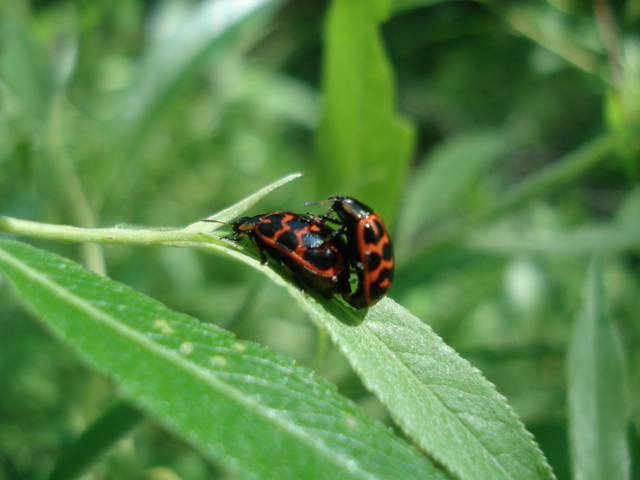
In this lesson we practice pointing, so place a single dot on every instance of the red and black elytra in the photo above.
(308, 250)
(370, 248)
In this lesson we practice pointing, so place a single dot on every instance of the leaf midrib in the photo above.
(372, 335)
(333, 456)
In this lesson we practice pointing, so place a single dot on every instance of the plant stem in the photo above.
(67, 233)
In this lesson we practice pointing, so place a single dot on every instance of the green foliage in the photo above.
(243, 405)
(498, 139)
(597, 397)
(457, 403)
(360, 135)
(100, 436)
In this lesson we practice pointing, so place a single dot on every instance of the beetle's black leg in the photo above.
(240, 236)
(324, 218)
(232, 239)
(327, 218)
(237, 238)
(330, 211)
(340, 231)
(260, 250)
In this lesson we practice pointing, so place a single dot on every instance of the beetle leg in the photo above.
(325, 218)
(237, 238)
(263, 257)
(356, 300)
(340, 231)
(240, 236)
(330, 211)
(232, 239)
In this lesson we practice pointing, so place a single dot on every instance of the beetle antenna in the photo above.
(316, 203)
(215, 221)
(333, 198)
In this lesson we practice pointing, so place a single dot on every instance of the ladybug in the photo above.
(370, 248)
(308, 250)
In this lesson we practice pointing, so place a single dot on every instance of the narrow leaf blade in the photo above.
(234, 211)
(99, 437)
(597, 409)
(360, 135)
(187, 36)
(444, 176)
(241, 404)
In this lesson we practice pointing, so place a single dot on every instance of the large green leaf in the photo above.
(597, 407)
(364, 148)
(441, 401)
(241, 404)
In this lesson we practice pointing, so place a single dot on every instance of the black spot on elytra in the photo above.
(270, 226)
(376, 292)
(288, 240)
(373, 261)
(387, 273)
(370, 235)
(321, 258)
(387, 251)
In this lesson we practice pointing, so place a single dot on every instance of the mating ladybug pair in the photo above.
(317, 256)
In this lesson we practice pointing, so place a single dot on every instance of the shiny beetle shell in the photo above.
(309, 251)
(370, 249)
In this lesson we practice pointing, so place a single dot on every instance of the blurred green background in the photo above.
(156, 114)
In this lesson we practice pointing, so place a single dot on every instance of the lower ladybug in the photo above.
(370, 248)
(308, 250)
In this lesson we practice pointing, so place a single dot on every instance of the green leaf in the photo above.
(449, 170)
(239, 403)
(588, 240)
(400, 5)
(597, 407)
(440, 400)
(234, 211)
(103, 433)
(186, 37)
(362, 144)
(558, 174)
(23, 74)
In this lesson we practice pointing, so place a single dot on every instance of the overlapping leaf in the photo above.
(240, 403)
